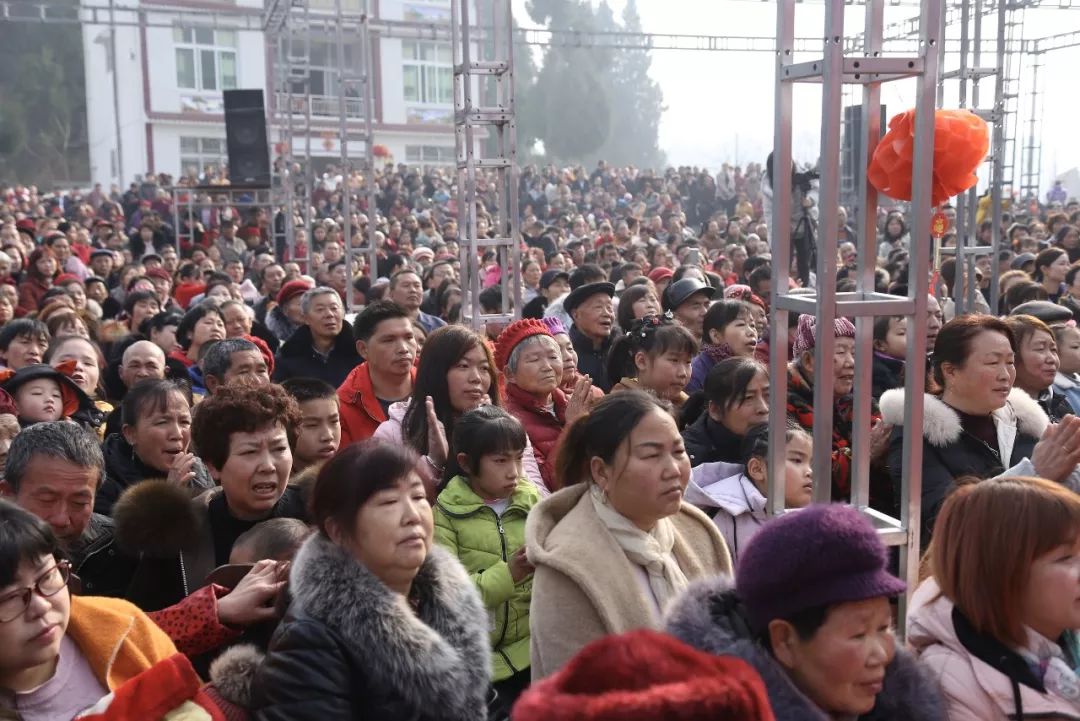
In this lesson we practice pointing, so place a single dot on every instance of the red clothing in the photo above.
(360, 410)
(181, 355)
(543, 428)
(193, 623)
(31, 291)
(186, 291)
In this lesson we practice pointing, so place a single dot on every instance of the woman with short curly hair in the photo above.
(241, 434)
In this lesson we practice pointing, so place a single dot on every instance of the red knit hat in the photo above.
(65, 278)
(513, 334)
(647, 676)
(660, 273)
(292, 289)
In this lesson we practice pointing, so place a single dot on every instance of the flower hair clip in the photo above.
(648, 324)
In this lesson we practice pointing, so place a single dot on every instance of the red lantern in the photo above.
(380, 151)
(961, 141)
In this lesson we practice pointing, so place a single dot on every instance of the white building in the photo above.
(163, 104)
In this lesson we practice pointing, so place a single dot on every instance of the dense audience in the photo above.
(247, 476)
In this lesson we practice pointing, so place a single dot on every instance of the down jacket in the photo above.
(541, 425)
(736, 504)
(710, 617)
(950, 453)
(484, 542)
(350, 648)
(980, 678)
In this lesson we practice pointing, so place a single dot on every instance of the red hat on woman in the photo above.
(647, 676)
(292, 289)
(513, 334)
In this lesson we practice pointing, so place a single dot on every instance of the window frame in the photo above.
(221, 45)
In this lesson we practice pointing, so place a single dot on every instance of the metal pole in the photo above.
(118, 126)
(781, 249)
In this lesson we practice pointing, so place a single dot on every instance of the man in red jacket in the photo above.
(385, 340)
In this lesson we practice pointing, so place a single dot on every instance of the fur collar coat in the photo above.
(351, 648)
(709, 617)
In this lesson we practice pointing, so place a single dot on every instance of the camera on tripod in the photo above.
(803, 181)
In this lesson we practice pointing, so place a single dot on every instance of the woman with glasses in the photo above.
(61, 653)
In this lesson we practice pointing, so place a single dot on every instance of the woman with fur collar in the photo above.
(616, 545)
(810, 611)
(383, 624)
(975, 422)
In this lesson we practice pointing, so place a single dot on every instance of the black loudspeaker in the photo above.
(245, 134)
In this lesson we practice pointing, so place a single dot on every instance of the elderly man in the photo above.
(141, 360)
(323, 347)
(407, 290)
(54, 470)
(233, 360)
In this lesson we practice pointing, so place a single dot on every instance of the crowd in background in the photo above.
(251, 476)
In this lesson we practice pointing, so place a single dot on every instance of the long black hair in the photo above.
(442, 349)
(725, 386)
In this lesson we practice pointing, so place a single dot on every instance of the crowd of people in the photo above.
(226, 497)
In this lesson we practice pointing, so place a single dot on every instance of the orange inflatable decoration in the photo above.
(961, 141)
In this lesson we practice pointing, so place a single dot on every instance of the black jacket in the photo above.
(102, 569)
(592, 361)
(349, 649)
(1055, 404)
(709, 617)
(124, 469)
(297, 357)
(949, 452)
(888, 373)
(708, 442)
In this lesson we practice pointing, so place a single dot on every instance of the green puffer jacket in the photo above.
(484, 543)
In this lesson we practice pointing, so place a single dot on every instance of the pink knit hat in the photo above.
(806, 332)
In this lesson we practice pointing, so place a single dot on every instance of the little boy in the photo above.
(43, 393)
(319, 434)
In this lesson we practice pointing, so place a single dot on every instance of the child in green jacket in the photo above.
(480, 517)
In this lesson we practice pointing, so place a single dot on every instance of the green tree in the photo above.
(43, 136)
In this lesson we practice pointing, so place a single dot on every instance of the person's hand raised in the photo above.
(438, 446)
(1057, 453)
(581, 400)
(253, 598)
(182, 471)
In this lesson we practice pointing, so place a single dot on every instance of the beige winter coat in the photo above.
(585, 586)
(973, 690)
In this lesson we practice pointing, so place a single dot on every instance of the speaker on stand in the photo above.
(245, 135)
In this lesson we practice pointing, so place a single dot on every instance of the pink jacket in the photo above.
(390, 430)
(973, 690)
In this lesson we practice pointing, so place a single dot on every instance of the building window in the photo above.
(198, 155)
(430, 154)
(205, 58)
(429, 73)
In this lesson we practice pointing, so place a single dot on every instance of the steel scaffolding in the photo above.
(869, 69)
(484, 101)
(290, 27)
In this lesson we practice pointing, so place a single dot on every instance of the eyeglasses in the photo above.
(48, 584)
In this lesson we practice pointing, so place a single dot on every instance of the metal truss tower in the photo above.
(484, 104)
(869, 69)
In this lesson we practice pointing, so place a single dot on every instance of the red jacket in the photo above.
(360, 411)
(543, 428)
(31, 291)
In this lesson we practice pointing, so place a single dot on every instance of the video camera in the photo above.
(803, 180)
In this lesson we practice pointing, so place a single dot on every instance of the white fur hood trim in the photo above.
(941, 424)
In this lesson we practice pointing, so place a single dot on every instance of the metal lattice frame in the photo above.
(869, 70)
(484, 102)
(290, 26)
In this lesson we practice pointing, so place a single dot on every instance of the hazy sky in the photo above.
(720, 104)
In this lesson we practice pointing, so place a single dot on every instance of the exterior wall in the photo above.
(155, 113)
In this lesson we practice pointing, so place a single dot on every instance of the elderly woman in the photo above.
(814, 619)
(383, 624)
(455, 374)
(62, 652)
(997, 623)
(1037, 364)
(241, 435)
(531, 364)
(572, 380)
(618, 543)
(154, 442)
(975, 422)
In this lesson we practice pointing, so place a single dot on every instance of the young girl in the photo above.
(480, 517)
(655, 356)
(890, 347)
(1067, 380)
(729, 331)
(738, 492)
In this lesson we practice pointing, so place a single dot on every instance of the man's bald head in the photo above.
(141, 360)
